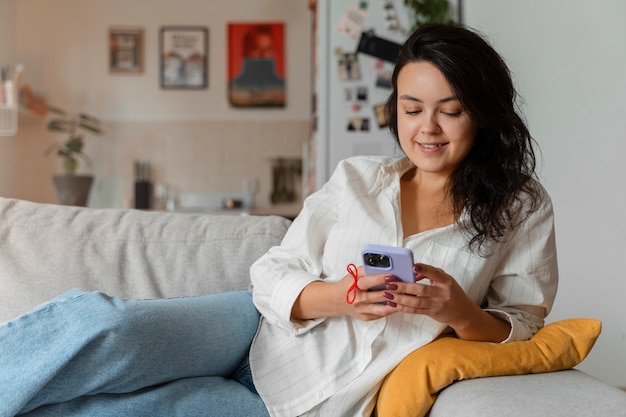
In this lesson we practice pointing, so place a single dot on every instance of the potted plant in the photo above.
(428, 11)
(72, 189)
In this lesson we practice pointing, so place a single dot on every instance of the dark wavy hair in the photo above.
(495, 183)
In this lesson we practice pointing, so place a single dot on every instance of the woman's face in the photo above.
(435, 132)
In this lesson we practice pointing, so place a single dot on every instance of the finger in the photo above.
(424, 271)
(375, 282)
(406, 302)
(379, 311)
(417, 289)
(372, 305)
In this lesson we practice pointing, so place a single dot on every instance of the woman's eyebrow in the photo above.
(411, 98)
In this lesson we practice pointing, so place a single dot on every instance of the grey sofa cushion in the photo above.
(48, 249)
(569, 393)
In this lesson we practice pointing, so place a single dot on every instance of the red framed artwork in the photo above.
(256, 64)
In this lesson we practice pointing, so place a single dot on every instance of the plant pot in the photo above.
(73, 190)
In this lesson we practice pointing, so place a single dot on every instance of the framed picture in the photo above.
(126, 50)
(184, 52)
(256, 64)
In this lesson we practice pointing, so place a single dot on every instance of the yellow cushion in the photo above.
(410, 389)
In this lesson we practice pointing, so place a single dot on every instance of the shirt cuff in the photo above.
(518, 330)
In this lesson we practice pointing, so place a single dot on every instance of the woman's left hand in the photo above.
(442, 299)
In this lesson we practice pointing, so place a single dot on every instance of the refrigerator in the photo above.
(354, 46)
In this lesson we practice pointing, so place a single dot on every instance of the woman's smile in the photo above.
(431, 147)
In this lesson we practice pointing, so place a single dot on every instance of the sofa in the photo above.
(47, 249)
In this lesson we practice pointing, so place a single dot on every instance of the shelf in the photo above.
(289, 211)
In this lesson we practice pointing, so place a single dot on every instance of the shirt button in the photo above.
(320, 394)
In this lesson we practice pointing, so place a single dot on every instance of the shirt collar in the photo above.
(390, 171)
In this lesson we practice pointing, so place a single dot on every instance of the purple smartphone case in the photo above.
(401, 262)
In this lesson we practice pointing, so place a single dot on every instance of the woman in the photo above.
(463, 198)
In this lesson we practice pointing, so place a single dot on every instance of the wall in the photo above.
(7, 56)
(194, 139)
(569, 61)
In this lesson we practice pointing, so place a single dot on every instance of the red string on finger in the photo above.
(351, 294)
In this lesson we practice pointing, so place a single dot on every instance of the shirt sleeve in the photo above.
(524, 286)
(279, 276)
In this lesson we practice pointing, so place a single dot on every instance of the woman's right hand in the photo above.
(343, 298)
(362, 303)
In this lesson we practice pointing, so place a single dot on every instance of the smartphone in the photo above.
(379, 259)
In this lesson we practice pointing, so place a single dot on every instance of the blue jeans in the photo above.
(88, 354)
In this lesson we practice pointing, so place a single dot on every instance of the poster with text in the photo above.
(184, 57)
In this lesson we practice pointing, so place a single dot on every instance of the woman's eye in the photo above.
(412, 112)
(452, 113)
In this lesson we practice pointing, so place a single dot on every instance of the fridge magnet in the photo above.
(256, 64)
(391, 17)
(353, 20)
(383, 74)
(126, 50)
(347, 94)
(358, 123)
(348, 65)
(381, 116)
(365, 125)
(184, 57)
(354, 123)
(361, 93)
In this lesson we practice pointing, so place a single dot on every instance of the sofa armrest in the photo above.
(569, 393)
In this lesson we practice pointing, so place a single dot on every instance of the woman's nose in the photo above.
(430, 125)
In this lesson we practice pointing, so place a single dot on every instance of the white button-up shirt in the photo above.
(334, 366)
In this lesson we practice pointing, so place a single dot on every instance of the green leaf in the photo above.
(92, 129)
(74, 144)
(88, 118)
(56, 110)
(428, 11)
(59, 125)
(74, 125)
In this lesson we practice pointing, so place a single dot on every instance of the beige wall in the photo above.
(194, 139)
(7, 56)
(190, 156)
